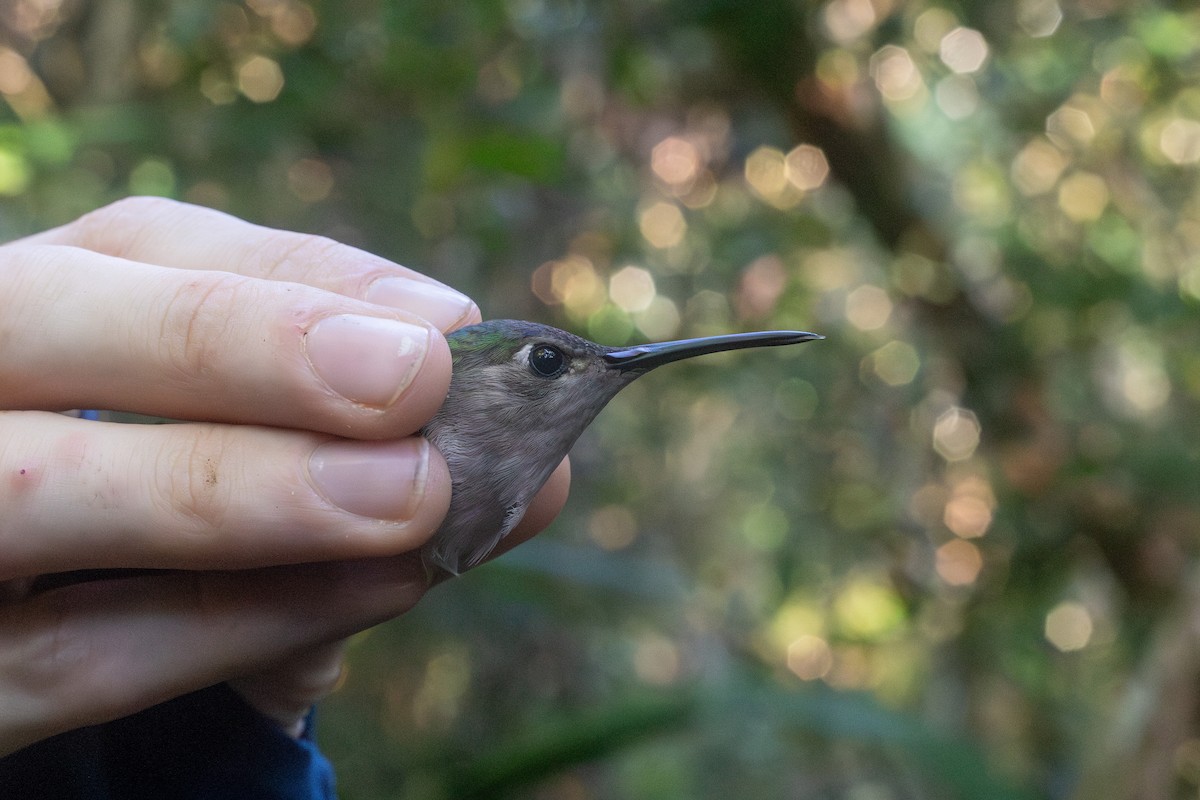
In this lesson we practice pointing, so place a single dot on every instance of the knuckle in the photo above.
(59, 652)
(284, 255)
(136, 206)
(193, 486)
(50, 656)
(28, 268)
(29, 273)
(113, 229)
(197, 321)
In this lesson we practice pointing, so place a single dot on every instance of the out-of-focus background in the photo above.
(950, 552)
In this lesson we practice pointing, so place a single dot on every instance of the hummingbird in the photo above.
(520, 394)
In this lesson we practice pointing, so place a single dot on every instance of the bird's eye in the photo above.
(547, 361)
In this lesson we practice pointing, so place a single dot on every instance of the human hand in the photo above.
(286, 511)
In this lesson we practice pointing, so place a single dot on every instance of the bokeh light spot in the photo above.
(1134, 377)
(809, 657)
(572, 282)
(932, 26)
(541, 283)
(963, 50)
(981, 190)
(216, 87)
(438, 698)
(14, 173)
(676, 162)
(896, 76)
(958, 562)
(765, 527)
(868, 609)
(1083, 196)
(838, 70)
(213, 194)
(760, 288)
(701, 192)
(968, 512)
(896, 363)
(956, 434)
(1124, 87)
(767, 173)
(656, 659)
(1039, 18)
(632, 289)
(612, 527)
(260, 79)
(796, 617)
(847, 20)
(806, 167)
(868, 307)
(1069, 626)
(968, 516)
(662, 225)
(292, 22)
(161, 61)
(1037, 168)
(831, 269)
(660, 320)
(310, 179)
(1070, 125)
(152, 177)
(1180, 141)
(609, 324)
(957, 96)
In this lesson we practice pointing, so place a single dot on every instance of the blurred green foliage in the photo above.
(950, 552)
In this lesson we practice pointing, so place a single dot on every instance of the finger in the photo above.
(82, 330)
(543, 509)
(93, 652)
(154, 230)
(90, 495)
(287, 691)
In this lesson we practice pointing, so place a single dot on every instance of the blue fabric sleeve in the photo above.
(209, 745)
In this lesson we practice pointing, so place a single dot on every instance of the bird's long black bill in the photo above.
(645, 357)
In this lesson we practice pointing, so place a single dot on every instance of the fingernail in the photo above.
(366, 359)
(441, 305)
(383, 480)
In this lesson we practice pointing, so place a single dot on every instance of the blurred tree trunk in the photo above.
(1133, 757)
(110, 47)
(774, 55)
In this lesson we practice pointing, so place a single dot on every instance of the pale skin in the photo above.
(288, 503)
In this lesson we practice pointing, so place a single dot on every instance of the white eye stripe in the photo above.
(522, 355)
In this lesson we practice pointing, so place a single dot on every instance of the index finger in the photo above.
(167, 233)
